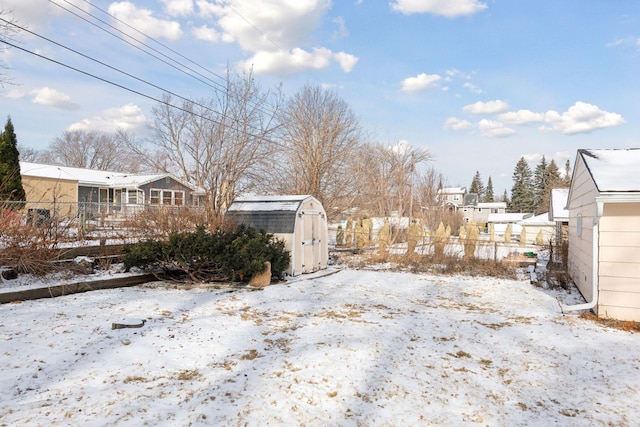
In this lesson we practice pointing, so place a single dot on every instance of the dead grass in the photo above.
(623, 325)
(447, 265)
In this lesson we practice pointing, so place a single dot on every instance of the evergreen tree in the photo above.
(477, 187)
(10, 178)
(566, 180)
(505, 198)
(551, 180)
(488, 192)
(540, 181)
(522, 192)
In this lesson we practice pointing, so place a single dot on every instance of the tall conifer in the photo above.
(10, 179)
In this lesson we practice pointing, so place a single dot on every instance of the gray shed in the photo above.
(300, 221)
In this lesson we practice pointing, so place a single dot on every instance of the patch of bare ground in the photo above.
(623, 325)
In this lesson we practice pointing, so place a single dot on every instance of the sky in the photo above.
(356, 347)
(477, 83)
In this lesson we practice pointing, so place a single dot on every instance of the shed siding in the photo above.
(619, 275)
(581, 205)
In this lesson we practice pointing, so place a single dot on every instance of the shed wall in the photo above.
(619, 263)
(582, 209)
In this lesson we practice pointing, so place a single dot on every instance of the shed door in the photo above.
(311, 225)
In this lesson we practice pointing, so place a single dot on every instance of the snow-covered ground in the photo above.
(352, 348)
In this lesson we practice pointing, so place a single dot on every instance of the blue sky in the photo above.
(478, 83)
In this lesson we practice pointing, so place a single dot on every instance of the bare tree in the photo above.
(388, 178)
(91, 150)
(320, 135)
(8, 31)
(219, 144)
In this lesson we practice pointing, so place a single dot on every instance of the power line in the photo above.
(181, 67)
(133, 90)
(111, 67)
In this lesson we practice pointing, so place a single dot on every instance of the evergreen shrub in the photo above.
(203, 255)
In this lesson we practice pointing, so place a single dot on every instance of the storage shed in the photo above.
(300, 221)
(604, 231)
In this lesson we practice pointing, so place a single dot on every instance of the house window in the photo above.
(178, 198)
(579, 225)
(135, 197)
(167, 197)
(155, 197)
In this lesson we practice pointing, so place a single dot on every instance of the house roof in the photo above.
(558, 206)
(613, 170)
(453, 190)
(496, 205)
(507, 217)
(90, 177)
(542, 219)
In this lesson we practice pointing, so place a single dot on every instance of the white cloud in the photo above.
(53, 98)
(143, 21)
(457, 124)
(448, 8)
(283, 63)
(420, 82)
(259, 25)
(582, 118)
(206, 33)
(494, 129)
(36, 13)
(473, 88)
(346, 61)
(490, 107)
(521, 117)
(126, 117)
(275, 32)
(341, 32)
(532, 158)
(14, 94)
(178, 7)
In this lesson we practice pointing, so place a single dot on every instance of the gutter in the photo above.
(595, 264)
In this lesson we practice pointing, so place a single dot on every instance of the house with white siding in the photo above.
(604, 231)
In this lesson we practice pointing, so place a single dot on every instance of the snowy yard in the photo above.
(353, 348)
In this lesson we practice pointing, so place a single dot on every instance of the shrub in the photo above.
(204, 255)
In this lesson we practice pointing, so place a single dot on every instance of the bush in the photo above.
(203, 255)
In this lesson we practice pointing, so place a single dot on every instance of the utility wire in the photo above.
(113, 68)
(181, 67)
(132, 90)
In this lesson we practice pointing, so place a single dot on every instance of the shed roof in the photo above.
(272, 214)
(613, 170)
(542, 219)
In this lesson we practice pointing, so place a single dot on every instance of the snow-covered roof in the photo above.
(90, 177)
(614, 170)
(453, 190)
(542, 219)
(507, 217)
(487, 205)
(558, 207)
(268, 203)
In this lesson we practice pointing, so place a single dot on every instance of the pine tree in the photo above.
(566, 179)
(488, 192)
(551, 180)
(11, 181)
(522, 194)
(540, 182)
(477, 187)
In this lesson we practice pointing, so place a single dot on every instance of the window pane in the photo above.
(166, 197)
(155, 197)
(179, 198)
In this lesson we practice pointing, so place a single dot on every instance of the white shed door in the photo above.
(311, 223)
